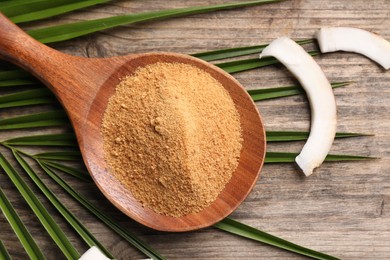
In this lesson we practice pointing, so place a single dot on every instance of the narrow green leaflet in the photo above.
(40, 211)
(44, 119)
(26, 98)
(277, 92)
(248, 64)
(59, 156)
(36, 10)
(80, 174)
(282, 136)
(28, 102)
(17, 82)
(72, 220)
(3, 252)
(73, 30)
(13, 74)
(25, 238)
(66, 139)
(16, 77)
(236, 52)
(278, 157)
(243, 230)
(116, 227)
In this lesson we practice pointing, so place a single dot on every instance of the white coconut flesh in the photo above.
(320, 95)
(355, 40)
(93, 253)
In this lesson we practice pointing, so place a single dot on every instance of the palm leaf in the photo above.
(279, 157)
(248, 64)
(243, 230)
(59, 156)
(277, 92)
(3, 252)
(31, 10)
(13, 74)
(236, 52)
(82, 175)
(84, 233)
(116, 227)
(27, 98)
(73, 30)
(66, 139)
(25, 238)
(17, 82)
(40, 211)
(44, 119)
(282, 136)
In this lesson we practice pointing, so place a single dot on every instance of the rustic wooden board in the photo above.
(343, 209)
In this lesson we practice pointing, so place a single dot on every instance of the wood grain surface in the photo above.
(342, 209)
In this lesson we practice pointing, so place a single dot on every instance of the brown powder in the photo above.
(172, 135)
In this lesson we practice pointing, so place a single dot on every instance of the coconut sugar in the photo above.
(172, 136)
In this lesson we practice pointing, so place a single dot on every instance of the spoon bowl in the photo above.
(84, 86)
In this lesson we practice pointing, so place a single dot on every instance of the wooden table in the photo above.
(342, 209)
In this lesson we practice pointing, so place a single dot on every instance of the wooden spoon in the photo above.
(84, 85)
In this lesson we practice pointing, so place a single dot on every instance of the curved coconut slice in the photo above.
(355, 40)
(321, 98)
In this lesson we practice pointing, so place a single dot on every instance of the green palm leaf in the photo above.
(248, 64)
(30, 10)
(40, 211)
(3, 252)
(243, 230)
(66, 139)
(80, 174)
(279, 157)
(116, 227)
(25, 238)
(73, 30)
(44, 119)
(15, 74)
(72, 220)
(236, 52)
(27, 98)
(17, 82)
(283, 136)
(277, 92)
(59, 156)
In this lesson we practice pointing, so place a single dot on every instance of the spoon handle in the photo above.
(65, 75)
(19, 48)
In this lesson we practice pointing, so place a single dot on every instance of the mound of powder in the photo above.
(172, 135)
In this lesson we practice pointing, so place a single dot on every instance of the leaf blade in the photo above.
(38, 12)
(281, 157)
(24, 236)
(283, 136)
(235, 227)
(40, 211)
(82, 175)
(237, 51)
(277, 92)
(60, 156)
(248, 64)
(84, 233)
(4, 252)
(124, 233)
(44, 119)
(70, 31)
(66, 139)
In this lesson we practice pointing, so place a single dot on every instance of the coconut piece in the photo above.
(355, 40)
(93, 253)
(320, 95)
